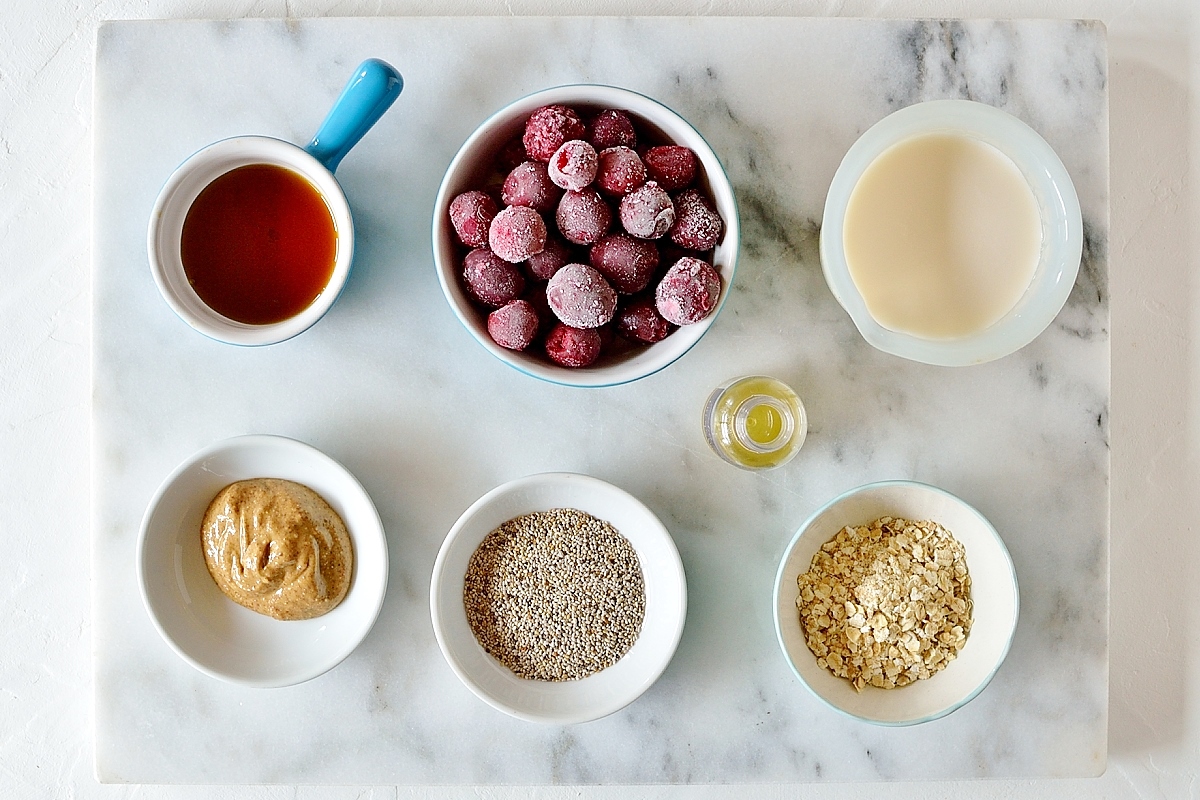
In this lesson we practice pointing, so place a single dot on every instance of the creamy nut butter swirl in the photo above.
(276, 547)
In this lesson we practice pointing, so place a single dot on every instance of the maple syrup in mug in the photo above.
(259, 244)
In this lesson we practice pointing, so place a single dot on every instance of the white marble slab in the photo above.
(391, 386)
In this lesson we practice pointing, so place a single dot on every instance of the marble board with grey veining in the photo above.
(392, 386)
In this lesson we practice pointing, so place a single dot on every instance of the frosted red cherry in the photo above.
(641, 322)
(471, 214)
(647, 212)
(548, 128)
(671, 166)
(572, 347)
(625, 262)
(579, 296)
(529, 184)
(619, 170)
(689, 291)
(573, 166)
(490, 279)
(611, 128)
(552, 258)
(583, 217)
(697, 224)
(513, 326)
(516, 233)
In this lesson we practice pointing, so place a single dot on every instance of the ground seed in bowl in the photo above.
(555, 595)
(888, 603)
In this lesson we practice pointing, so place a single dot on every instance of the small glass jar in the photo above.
(755, 422)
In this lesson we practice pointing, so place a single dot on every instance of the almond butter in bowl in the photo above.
(276, 547)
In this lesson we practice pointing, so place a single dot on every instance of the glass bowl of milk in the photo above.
(952, 233)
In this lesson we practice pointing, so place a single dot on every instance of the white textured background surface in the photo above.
(45, 167)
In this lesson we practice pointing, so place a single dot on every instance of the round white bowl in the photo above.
(474, 163)
(599, 694)
(166, 231)
(207, 629)
(993, 592)
(1062, 230)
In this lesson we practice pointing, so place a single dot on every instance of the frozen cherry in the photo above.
(529, 184)
(611, 128)
(626, 263)
(471, 214)
(579, 296)
(647, 212)
(572, 347)
(583, 217)
(641, 322)
(552, 258)
(533, 274)
(697, 225)
(688, 292)
(514, 326)
(619, 170)
(517, 232)
(573, 166)
(490, 279)
(547, 128)
(672, 166)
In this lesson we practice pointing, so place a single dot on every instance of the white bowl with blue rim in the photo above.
(994, 594)
(210, 631)
(473, 165)
(372, 89)
(601, 693)
(1059, 212)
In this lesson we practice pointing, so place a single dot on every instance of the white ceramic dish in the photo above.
(599, 694)
(993, 592)
(206, 628)
(1062, 230)
(472, 165)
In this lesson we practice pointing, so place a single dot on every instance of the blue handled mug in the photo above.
(372, 89)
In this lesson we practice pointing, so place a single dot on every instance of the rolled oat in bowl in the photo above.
(888, 603)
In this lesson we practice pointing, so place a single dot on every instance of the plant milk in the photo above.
(942, 235)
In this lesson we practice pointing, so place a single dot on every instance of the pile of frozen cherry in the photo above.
(594, 236)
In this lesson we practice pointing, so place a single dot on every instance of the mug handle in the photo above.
(372, 89)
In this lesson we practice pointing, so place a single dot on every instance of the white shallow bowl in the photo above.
(207, 629)
(470, 169)
(993, 592)
(599, 694)
(1058, 204)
